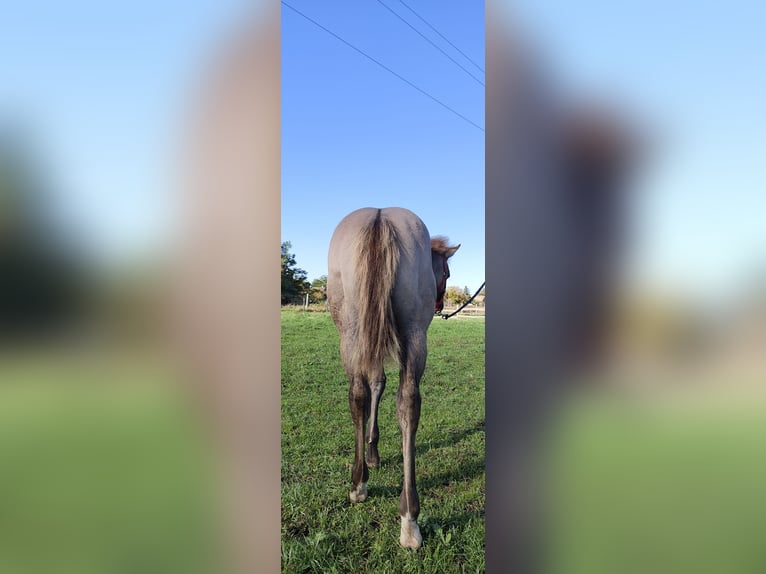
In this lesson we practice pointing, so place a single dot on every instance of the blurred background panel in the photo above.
(625, 367)
(106, 461)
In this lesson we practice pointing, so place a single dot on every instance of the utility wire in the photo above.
(389, 70)
(443, 37)
(427, 39)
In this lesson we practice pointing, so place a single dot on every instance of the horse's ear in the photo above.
(451, 251)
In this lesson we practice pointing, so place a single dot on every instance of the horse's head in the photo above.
(441, 251)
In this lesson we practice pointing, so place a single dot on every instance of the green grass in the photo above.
(102, 471)
(321, 530)
(661, 486)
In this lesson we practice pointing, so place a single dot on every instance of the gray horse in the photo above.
(386, 278)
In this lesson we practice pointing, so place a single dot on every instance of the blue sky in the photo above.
(354, 135)
(102, 89)
(693, 74)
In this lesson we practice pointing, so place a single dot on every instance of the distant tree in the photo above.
(42, 279)
(294, 283)
(456, 296)
(318, 291)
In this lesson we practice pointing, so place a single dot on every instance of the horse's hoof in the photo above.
(410, 536)
(359, 494)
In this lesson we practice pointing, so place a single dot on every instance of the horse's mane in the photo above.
(440, 244)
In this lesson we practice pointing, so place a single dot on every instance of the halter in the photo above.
(442, 286)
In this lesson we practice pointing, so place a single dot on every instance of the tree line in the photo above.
(295, 284)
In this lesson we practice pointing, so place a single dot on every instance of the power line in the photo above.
(427, 39)
(443, 37)
(389, 70)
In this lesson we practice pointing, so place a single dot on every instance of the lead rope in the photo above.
(455, 312)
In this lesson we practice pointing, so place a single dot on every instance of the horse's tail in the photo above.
(378, 260)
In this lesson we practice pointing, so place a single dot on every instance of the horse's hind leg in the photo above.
(377, 386)
(408, 413)
(359, 403)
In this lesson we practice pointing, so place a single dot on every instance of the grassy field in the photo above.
(102, 471)
(321, 530)
(661, 484)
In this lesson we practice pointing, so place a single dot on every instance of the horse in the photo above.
(386, 278)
